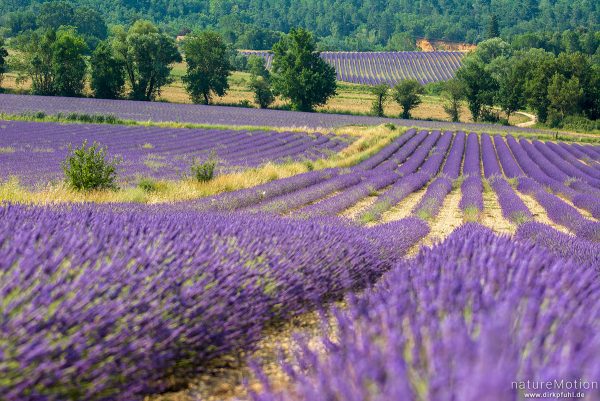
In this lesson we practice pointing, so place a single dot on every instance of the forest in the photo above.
(337, 24)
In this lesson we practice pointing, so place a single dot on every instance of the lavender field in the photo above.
(212, 115)
(373, 68)
(468, 262)
(33, 151)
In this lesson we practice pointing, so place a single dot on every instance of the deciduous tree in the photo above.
(208, 66)
(3, 56)
(148, 55)
(454, 92)
(381, 93)
(406, 93)
(107, 72)
(299, 73)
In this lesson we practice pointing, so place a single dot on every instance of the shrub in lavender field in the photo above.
(88, 167)
(204, 171)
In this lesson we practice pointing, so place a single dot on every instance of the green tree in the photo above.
(148, 56)
(480, 86)
(492, 30)
(260, 82)
(68, 63)
(564, 96)
(406, 94)
(541, 66)
(208, 66)
(91, 25)
(35, 63)
(54, 14)
(107, 72)
(381, 93)
(53, 60)
(3, 56)
(454, 92)
(299, 73)
(510, 75)
(256, 66)
(263, 95)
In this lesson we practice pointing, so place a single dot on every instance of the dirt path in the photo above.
(539, 213)
(492, 214)
(449, 218)
(402, 209)
(223, 379)
(354, 211)
(532, 119)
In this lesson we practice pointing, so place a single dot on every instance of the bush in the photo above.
(148, 185)
(488, 115)
(263, 95)
(205, 171)
(579, 123)
(88, 168)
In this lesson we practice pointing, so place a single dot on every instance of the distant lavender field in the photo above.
(214, 115)
(372, 68)
(34, 151)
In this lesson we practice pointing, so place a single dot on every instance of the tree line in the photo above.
(555, 87)
(137, 62)
(336, 24)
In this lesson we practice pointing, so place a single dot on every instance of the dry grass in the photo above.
(370, 141)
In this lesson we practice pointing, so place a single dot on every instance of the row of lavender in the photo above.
(471, 316)
(34, 151)
(476, 317)
(372, 68)
(104, 303)
(418, 158)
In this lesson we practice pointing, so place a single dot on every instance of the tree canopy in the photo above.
(299, 74)
(148, 55)
(337, 24)
(208, 66)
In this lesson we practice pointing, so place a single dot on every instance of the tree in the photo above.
(541, 66)
(564, 96)
(260, 82)
(454, 92)
(381, 93)
(54, 14)
(510, 75)
(299, 73)
(148, 56)
(36, 61)
(256, 66)
(406, 93)
(68, 63)
(3, 56)
(91, 25)
(492, 30)
(263, 95)
(208, 66)
(107, 72)
(480, 87)
(53, 61)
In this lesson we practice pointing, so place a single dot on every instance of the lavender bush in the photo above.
(106, 303)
